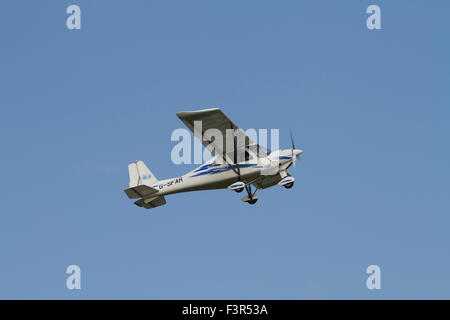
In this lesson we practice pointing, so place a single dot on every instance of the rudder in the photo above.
(140, 174)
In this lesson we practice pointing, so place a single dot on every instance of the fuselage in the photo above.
(217, 174)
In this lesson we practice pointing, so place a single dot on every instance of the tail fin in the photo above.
(140, 174)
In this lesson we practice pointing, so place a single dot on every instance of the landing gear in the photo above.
(250, 198)
(289, 185)
(239, 190)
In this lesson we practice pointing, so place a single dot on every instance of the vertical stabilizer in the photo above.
(140, 174)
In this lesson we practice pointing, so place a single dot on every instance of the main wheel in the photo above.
(239, 190)
(252, 201)
(289, 185)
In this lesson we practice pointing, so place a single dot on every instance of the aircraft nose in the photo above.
(298, 152)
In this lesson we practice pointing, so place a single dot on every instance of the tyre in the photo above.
(289, 185)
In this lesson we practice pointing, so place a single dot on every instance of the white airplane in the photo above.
(236, 171)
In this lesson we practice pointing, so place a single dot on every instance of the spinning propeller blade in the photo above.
(294, 158)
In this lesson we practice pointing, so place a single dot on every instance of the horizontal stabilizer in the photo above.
(141, 191)
(151, 203)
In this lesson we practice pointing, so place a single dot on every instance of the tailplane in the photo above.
(140, 186)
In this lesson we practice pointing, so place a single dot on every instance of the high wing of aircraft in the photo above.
(238, 163)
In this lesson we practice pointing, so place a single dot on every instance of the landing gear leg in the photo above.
(251, 198)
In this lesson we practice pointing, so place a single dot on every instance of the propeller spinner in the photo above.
(295, 152)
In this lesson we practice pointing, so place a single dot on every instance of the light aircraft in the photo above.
(245, 166)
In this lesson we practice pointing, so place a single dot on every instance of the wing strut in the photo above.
(235, 160)
(238, 171)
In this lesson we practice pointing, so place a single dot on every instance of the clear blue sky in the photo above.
(370, 109)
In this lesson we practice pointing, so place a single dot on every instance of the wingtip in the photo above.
(181, 113)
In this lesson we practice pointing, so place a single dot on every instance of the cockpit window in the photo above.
(258, 150)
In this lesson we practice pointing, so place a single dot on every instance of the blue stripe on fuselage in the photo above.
(222, 169)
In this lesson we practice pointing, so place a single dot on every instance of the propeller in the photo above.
(294, 157)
